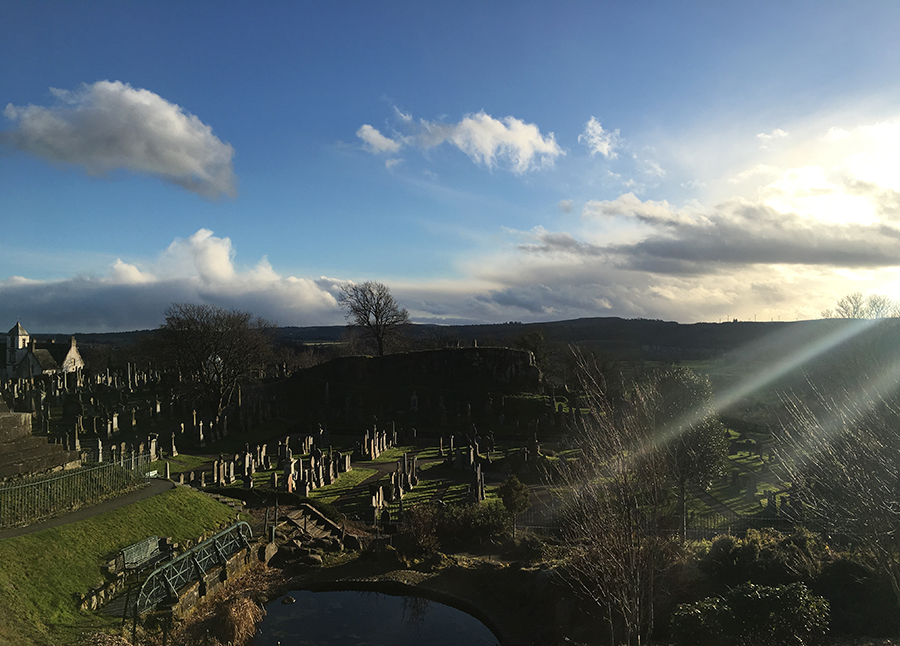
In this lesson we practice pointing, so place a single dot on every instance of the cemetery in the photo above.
(385, 473)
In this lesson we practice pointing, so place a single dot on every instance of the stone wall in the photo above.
(192, 594)
(21, 453)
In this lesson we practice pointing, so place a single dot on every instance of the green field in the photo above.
(41, 573)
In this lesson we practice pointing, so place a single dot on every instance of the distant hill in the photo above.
(634, 339)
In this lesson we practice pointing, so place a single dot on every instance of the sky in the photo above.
(489, 162)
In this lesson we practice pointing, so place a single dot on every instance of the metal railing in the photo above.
(34, 499)
(165, 581)
(545, 520)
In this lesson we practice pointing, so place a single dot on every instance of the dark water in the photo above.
(350, 618)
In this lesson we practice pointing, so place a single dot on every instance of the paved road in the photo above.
(155, 487)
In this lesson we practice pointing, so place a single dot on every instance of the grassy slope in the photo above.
(41, 573)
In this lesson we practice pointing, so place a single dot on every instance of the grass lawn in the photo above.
(429, 452)
(421, 493)
(181, 462)
(734, 498)
(457, 493)
(41, 573)
(342, 486)
(429, 465)
(392, 455)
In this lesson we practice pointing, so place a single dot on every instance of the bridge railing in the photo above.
(166, 580)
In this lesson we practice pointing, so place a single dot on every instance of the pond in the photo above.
(350, 618)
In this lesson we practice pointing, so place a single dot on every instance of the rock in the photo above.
(352, 543)
(267, 551)
(312, 559)
(288, 599)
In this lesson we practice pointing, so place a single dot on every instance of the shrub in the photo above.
(461, 526)
(514, 494)
(420, 528)
(753, 615)
(766, 557)
(702, 623)
(861, 599)
(429, 527)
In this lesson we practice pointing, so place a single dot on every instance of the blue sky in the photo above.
(490, 162)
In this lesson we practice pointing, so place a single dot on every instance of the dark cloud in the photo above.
(733, 234)
(561, 243)
(92, 305)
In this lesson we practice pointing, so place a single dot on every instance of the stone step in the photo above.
(317, 531)
(234, 503)
(309, 525)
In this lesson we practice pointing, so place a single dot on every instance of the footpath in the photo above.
(156, 486)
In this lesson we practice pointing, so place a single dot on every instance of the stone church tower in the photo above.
(17, 340)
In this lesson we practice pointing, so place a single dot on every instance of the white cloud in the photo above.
(197, 269)
(565, 206)
(111, 125)
(124, 273)
(375, 142)
(202, 256)
(403, 116)
(485, 140)
(778, 133)
(816, 220)
(654, 169)
(757, 170)
(599, 140)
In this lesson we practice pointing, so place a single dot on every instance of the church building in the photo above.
(26, 358)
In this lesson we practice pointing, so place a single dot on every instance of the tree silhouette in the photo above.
(214, 349)
(371, 307)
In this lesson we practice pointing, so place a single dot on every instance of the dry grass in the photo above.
(233, 613)
(237, 620)
(228, 617)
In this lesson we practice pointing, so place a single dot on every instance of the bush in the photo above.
(430, 526)
(702, 623)
(766, 557)
(419, 531)
(861, 599)
(461, 526)
(753, 615)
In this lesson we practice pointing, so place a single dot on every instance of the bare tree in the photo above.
(371, 307)
(214, 349)
(619, 494)
(842, 454)
(857, 306)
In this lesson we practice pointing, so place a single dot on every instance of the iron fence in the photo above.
(34, 499)
(546, 520)
(166, 580)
